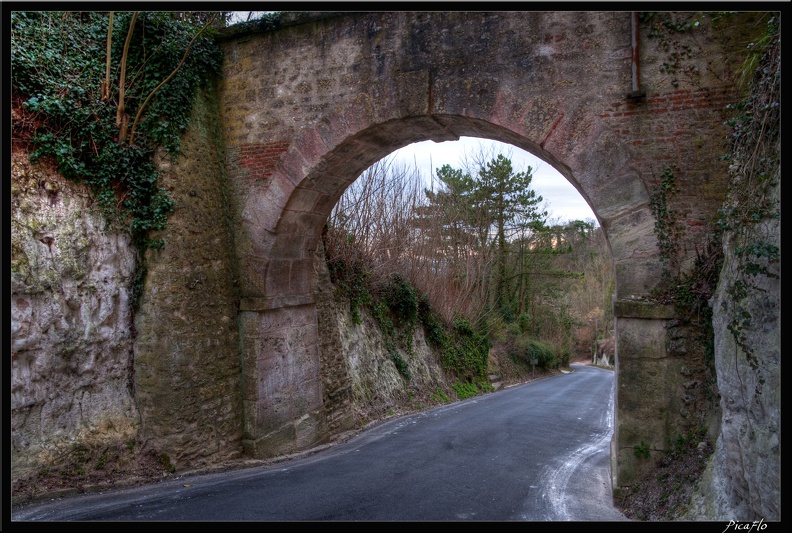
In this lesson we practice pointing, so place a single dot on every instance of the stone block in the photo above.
(278, 277)
(633, 436)
(275, 443)
(279, 189)
(642, 386)
(625, 309)
(302, 279)
(412, 92)
(310, 430)
(641, 338)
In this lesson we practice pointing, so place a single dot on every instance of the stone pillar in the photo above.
(643, 411)
(281, 379)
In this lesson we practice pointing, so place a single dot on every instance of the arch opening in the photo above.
(285, 394)
(279, 317)
(313, 198)
(410, 219)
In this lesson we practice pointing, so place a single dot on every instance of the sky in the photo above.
(561, 198)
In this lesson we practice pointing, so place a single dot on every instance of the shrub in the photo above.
(465, 390)
(401, 364)
(433, 327)
(402, 299)
(350, 273)
(466, 352)
(525, 349)
(440, 396)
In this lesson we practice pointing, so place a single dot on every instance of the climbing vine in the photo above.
(678, 54)
(754, 170)
(100, 93)
(665, 28)
(688, 291)
(667, 228)
(742, 223)
(677, 35)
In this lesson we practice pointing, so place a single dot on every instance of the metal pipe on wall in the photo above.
(636, 91)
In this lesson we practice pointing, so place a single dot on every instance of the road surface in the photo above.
(534, 452)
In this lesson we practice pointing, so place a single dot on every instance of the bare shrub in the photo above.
(375, 227)
(559, 278)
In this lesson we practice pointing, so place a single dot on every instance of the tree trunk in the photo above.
(121, 116)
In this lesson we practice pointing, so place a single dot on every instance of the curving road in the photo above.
(533, 452)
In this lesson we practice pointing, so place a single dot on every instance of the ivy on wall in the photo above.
(754, 170)
(100, 93)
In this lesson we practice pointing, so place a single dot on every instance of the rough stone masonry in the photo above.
(229, 359)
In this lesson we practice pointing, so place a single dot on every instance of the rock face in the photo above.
(743, 479)
(71, 340)
(361, 381)
(379, 390)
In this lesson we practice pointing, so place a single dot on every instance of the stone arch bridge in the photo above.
(305, 105)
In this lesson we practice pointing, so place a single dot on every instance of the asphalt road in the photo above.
(533, 452)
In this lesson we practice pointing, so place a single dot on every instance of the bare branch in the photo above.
(166, 80)
(121, 113)
(106, 82)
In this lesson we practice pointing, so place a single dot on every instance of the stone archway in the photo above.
(281, 374)
(304, 105)
(338, 92)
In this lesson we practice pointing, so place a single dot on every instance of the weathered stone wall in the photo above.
(71, 338)
(186, 347)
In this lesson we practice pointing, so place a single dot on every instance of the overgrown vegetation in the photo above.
(473, 261)
(688, 291)
(754, 172)
(101, 92)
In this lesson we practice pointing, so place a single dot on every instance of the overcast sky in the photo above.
(562, 199)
